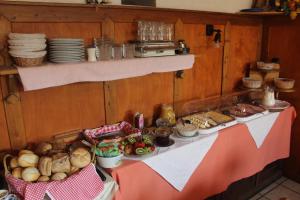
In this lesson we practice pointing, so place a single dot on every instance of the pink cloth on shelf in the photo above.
(51, 75)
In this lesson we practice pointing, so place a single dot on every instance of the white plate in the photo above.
(66, 40)
(217, 128)
(24, 54)
(61, 47)
(19, 36)
(251, 117)
(29, 48)
(67, 52)
(279, 105)
(25, 42)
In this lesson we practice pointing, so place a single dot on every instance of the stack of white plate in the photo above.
(65, 50)
(27, 45)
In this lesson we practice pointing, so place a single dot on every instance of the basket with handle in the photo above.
(85, 184)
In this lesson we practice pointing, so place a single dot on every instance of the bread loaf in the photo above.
(28, 160)
(73, 170)
(25, 151)
(58, 176)
(61, 163)
(43, 179)
(17, 172)
(80, 157)
(45, 166)
(14, 163)
(30, 174)
(43, 149)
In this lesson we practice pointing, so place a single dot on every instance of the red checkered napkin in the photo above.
(85, 185)
(124, 126)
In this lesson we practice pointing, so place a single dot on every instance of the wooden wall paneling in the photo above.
(141, 94)
(4, 141)
(56, 110)
(226, 56)
(13, 111)
(108, 28)
(204, 79)
(284, 43)
(243, 46)
(5, 28)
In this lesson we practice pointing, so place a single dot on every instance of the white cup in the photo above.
(91, 54)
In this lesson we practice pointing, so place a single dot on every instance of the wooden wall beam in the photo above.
(226, 56)
(32, 12)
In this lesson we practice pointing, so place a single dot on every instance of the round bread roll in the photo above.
(25, 151)
(80, 157)
(45, 166)
(14, 163)
(73, 170)
(30, 174)
(17, 172)
(61, 163)
(43, 148)
(28, 160)
(58, 176)
(43, 179)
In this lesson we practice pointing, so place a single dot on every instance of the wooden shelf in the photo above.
(267, 13)
(51, 75)
(4, 71)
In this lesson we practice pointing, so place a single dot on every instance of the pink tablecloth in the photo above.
(232, 157)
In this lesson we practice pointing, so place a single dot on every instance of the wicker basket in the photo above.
(28, 62)
(284, 83)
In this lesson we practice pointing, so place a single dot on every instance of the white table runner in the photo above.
(260, 128)
(177, 163)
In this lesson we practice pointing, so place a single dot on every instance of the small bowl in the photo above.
(187, 130)
(252, 83)
(109, 162)
(284, 83)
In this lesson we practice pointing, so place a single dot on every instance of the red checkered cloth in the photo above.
(91, 134)
(85, 185)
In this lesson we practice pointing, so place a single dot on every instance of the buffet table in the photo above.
(233, 156)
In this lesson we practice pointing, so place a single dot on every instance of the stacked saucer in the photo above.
(66, 50)
(27, 49)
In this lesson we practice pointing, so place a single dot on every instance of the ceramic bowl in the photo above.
(252, 83)
(109, 162)
(284, 83)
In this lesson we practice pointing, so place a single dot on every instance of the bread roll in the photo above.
(43, 179)
(25, 151)
(30, 174)
(58, 176)
(61, 163)
(45, 166)
(17, 172)
(14, 163)
(28, 160)
(43, 148)
(80, 157)
(73, 170)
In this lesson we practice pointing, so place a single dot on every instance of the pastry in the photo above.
(17, 172)
(58, 176)
(25, 151)
(14, 163)
(218, 117)
(61, 163)
(73, 170)
(80, 157)
(30, 174)
(45, 166)
(43, 148)
(43, 179)
(28, 160)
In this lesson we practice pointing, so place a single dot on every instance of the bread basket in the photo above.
(284, 83)
(28, 62)
(252, 83)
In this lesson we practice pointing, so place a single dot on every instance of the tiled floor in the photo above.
(283, 188)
